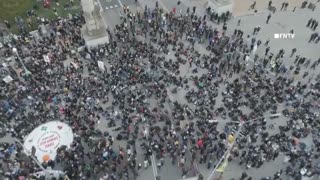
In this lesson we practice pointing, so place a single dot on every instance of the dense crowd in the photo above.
(153, 56)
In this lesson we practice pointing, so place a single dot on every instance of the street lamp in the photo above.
(226, 154)
(27, 72)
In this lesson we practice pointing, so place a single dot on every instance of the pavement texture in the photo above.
(280, 22)
(242, 7)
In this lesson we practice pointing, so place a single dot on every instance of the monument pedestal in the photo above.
(94, 32)
(95, 39)
(221, 6)
(94, 35)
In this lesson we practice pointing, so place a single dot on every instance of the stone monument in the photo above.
(221, 6)
(94, 31)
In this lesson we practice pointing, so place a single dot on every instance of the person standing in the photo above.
(315, 25)
(268, 18)
(282, 6)
(224, 27)
(267, 51)
(248, 40)
(269, 4)
(317, 40)
(306, 64)
(253, 5)
(258, 29)
(286, 6)
(309, 22)
(316, 35)
(313, 66)
(301, 60)
(194, 9)
(294, 50)
(291, 31)
(312, 37)
(200, 177)
(265, 62)
(258, 43)
(312, 23)
(254, 30)
(244, 175)
(240, 34)
(296, 60)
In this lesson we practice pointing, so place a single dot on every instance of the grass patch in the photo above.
(9, 9)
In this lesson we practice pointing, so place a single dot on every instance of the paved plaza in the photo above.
(280, 22)
(242, 7)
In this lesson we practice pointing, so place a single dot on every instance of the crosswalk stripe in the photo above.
(111, 7)
(115, 6)
(107, 8)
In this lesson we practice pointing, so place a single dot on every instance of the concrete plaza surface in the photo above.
(280, 22)
(242, 7)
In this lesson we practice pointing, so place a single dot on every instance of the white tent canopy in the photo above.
(7, 79)
(47, 138)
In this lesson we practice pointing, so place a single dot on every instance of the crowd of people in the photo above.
(153, 57)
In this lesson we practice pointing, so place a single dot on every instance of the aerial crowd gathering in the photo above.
(171, 86)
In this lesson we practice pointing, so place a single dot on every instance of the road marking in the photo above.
(111, 7)
(154, 166)
(115, 6)
(120, 3)
(100, 5)
(107, 8)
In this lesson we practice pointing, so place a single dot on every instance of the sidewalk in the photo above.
(241, 7)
